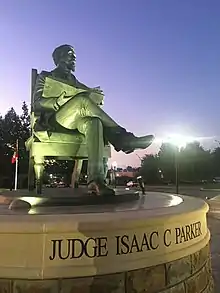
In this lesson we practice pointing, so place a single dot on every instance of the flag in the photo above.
(15, 154)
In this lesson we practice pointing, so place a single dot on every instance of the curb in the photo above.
(209, 189)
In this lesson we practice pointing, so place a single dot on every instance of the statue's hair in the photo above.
(58, 52)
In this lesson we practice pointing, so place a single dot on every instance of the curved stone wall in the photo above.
(157, 245)
(191, 274)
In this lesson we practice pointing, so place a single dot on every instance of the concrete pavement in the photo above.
(196, 191)
(214, 227)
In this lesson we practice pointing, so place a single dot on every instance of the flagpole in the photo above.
(16, 167)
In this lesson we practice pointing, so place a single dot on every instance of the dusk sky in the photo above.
(158, 61)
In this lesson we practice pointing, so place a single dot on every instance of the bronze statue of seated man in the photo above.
(76, 110)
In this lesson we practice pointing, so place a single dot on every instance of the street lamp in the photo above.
(176, 160)
(179, 141)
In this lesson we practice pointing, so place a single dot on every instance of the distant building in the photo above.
(126, 173)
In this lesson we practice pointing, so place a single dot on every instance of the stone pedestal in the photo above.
(157, 244)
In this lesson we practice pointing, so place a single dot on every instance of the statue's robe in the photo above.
(46, 107)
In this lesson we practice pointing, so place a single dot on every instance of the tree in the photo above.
(215, 155)
(24, 135)
(25, 121)
(63, 169)
(166, 161)
(195, 163)
(13, 127)
(149, 169)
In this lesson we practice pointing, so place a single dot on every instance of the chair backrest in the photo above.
(33, 116)
(34, 75)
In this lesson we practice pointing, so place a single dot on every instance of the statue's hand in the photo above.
(97, 96)
(61, 99)
(97, 90)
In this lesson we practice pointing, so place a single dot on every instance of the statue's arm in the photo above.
(39, 100)
(96, 94)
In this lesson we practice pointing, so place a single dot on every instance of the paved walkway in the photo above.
(214, 226)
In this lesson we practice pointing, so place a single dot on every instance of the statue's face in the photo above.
(68, 59)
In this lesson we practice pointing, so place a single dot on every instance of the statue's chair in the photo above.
(58, 146)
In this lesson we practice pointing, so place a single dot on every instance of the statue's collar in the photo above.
(62, 74)
(68, 78)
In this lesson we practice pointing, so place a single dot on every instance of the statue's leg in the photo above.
(77, 171)
(39, 168)
(92, 128)
(82, 106)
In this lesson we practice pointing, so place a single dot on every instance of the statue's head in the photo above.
(64, 56)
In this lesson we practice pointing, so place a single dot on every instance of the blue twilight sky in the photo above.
(156, 60)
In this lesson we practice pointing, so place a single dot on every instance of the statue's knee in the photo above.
(91, 124)
(94, 122)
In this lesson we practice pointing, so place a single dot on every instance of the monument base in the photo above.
(191, 274)
(159, 243)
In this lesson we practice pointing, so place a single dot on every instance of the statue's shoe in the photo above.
(130, 142)
(100, 188)
(126, 141)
